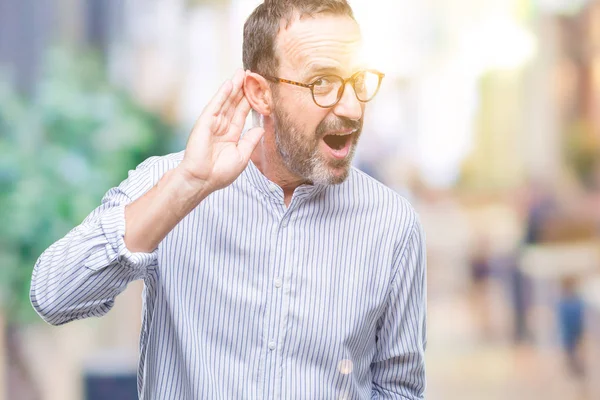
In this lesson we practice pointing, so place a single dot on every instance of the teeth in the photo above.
(341, 134)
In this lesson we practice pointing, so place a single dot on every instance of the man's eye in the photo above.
(326, 81)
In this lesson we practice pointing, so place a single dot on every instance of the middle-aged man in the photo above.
(272, 268)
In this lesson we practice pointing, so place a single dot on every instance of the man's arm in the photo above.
(399, 365)
(80, 275)
(215, 156)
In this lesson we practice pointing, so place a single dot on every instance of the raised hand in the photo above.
(215, 155)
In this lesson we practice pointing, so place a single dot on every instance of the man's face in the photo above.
(317, 144)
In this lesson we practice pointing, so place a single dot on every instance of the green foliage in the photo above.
(59, 153)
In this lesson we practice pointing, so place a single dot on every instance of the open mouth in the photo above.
(338, 142)
(339, 146)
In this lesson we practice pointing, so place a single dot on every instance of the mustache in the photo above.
(338, 124)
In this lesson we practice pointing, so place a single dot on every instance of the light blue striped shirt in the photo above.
(249, 299)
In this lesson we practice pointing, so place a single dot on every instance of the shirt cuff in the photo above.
(113, 227)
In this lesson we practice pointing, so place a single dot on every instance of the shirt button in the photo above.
(278, 282)
(272, 187)
(272, 345)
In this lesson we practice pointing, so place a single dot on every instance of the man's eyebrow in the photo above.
(325, 69)
(317, 69)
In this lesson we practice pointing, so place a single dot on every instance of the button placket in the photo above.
(285, 276)
(283, 258)
(272, 313)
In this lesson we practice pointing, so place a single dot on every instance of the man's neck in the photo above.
(269, 163)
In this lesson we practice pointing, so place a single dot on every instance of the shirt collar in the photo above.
(274, 191)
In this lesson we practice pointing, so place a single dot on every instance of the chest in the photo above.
(322, 276)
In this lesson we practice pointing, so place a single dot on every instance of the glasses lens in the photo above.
(366, 85)
(326, 90)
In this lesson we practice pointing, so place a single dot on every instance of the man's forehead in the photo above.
(326, 40)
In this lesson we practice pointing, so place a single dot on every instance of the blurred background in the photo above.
(488, 121)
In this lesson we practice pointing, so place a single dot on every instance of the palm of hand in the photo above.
(215, 155)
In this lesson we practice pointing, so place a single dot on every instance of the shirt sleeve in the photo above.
(80, 275)
(398, 366)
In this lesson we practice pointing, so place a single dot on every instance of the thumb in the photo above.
(248, 142)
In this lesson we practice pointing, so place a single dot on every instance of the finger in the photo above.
(249, 141)
(219, 99)
(238, 82)
(228, 110)
(233, 107)
(233, 124)
(241, 113)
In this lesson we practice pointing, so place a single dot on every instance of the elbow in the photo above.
(58, 308)
(44, 307)
(46, 304)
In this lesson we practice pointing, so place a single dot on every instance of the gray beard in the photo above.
(301, 155)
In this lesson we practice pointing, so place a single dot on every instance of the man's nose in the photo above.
(349, 106)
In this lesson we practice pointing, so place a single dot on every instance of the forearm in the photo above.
(151, 217)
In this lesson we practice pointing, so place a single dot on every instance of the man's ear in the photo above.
(258, 93)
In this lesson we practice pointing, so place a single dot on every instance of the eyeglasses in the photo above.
(327, 90)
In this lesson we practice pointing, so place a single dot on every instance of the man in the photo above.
(272, 269)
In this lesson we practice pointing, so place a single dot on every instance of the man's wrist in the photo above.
(185, 192)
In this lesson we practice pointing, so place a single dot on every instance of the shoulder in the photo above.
(153, 168)
(383, 215)
(147, 174)
(161, 164)
(380, 200)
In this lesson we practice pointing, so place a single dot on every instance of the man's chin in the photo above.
(339, 179)
(331, 175)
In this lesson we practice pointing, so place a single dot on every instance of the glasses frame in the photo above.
(351, 80)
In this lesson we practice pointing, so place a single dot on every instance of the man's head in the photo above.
(291, 46)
